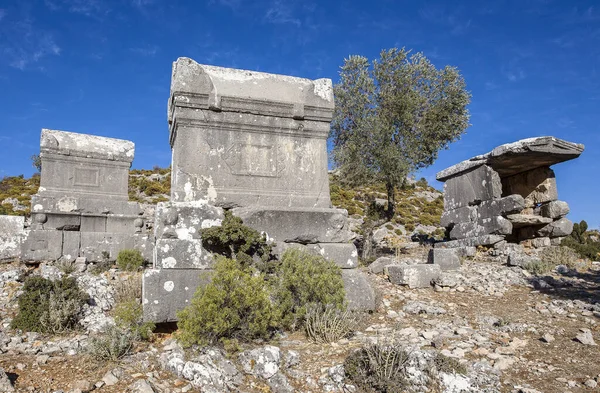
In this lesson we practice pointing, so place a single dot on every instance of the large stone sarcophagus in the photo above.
(82, 207)
(256, 144)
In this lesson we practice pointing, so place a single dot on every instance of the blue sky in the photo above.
(103, 67)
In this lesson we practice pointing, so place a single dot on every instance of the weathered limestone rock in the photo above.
(166, 291)
(292, 225)
(555, 209)
(415, 276)
(524, 220)
(560, 228)
(243, 138)
(472, 187)
(360, 294)
(497, 225)
(182, 254)
(520, 156)
(184, 220)
(378, 265)
(536, 186)
(446, 258)
(485, 240)
(486, 209)
(343, 254)
(12, 235)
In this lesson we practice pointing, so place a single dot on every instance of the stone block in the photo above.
(166, 291)
(488, 226)
(446, 258)
(182, 254)
(70, 246)
(512, 158)
(60, 221)
(485, 210)
(83, 205)
(93, 223)
(11, 225)
(184, 220)
(458, 216)
(472, 187)
(560, 228)
(378, 265)
(541, 242)
(527, 220)
(360, 294)
(303, 226)
(99, 246)
(536, 186)
(555, 209)
(343, 254)
(485, 240)
(10, 245)
(42, 246)
(414, 276)
(121, 223)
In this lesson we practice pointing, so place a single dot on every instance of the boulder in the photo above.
(414, 276)
(446, 258)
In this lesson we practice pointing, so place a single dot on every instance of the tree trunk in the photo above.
(391, 195)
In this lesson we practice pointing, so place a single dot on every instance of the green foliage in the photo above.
(422, 182)
(589, 250)
(538, 266)
(129, 315)
(393, 116)
(112, 344)
(553, 256)
(36, 162)
(235, 304)
(304, 278)
(49, 306)
(579, 230)
(130, 260)
(128, 312)
(580, 241)
(378, 368)
(235, 240)
(327, 323)
(19, 188)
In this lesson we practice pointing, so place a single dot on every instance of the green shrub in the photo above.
(112, 344)
(129, 316)
(538, 266)
(235, 304)
(130, 260)
(589, 250)
(49, 306)
(235, 240)
(327, 324)
(304, 278)
(378, 367)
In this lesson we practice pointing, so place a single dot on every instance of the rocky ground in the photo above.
(513, 332)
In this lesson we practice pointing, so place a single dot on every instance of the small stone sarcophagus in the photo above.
(256, 144)
(507, 195)
(82, 207)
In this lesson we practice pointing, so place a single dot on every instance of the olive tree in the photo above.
(393, 116)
